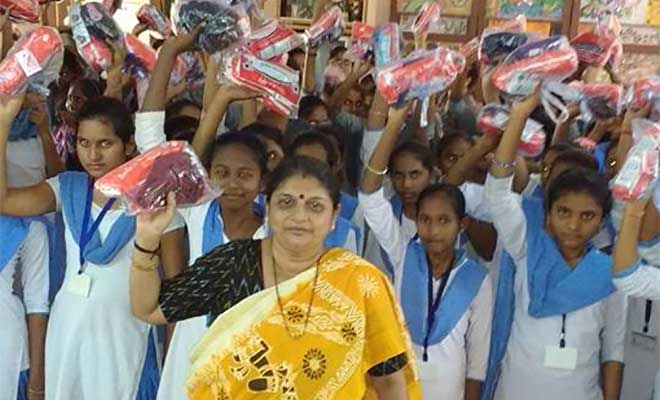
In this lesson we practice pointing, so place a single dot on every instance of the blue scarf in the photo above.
(339, 236)
(553, 287)
(348, 205)
(13, 230)
(22, 128)
(397, 208)
(73, 187)
(213, 228)
(459, 294)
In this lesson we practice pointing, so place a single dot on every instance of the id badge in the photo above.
(427, 371)
(79, 285)
(561, 358)
(644, 341)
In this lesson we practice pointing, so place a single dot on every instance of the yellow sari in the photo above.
(355, 324)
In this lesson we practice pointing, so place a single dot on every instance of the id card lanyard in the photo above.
(87, 232)
(433, 306)
(648, 309)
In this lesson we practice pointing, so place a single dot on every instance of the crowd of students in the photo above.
(518, 278)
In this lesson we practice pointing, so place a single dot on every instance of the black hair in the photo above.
(334, 132)
(578, 180)
(261, 130)
(337, 51)
(314, 138)
(561, 147)
(452, 193)
(181, 127)
(250, 142)
(89, 87)
(290, 63)
(308, 104)
(110, 111)
(422, 153)
(448, 140)
(304, 167)
(575, 157)
(174, 108)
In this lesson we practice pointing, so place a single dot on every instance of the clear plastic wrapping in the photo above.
(643, 92)
(278, 84)
(361, 47)
(153, 18)
(497, 43)
(25, 10)
(33, 62)
(428, 15)
(639, 173)
(594, 49)
(273, 39)
(600, 100)
(144, 182)
(328, 28)
(226, 26)
(93, 29)
(492, 120)
(386, 40)
(140, 56)
(522, 70)
(420, 75)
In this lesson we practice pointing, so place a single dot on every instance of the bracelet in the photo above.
(143, 250)
(375, 171)
(509, 165)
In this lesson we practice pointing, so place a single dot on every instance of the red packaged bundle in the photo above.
(93, 28)
(144, 182)
(470, 49)
(273, 40)
(142, 57)
(522, 70)
(328, 28)
(593, 49)
(278, 83)
(152, 17)
(34, 61)
(361, 48)
(386, 40)
(25, 10)
(492, 120)
(600, 100)
(420, 75)
(639, 173)
(361, 31)
(428, 15)
(608, 25)
(497, 43)
(645, 91)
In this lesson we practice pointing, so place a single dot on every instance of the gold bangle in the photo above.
(375, 171)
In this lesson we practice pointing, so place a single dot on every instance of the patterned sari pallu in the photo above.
(248, 353)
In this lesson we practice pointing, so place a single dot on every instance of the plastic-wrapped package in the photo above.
(471, 48)
(497, 43)
(226, 26)
(93, 28)
(548, 59)
(420, 75)
(643, 92)
(600, 100)
(608, 25)
(361, 47)
(152, 17)
(142, 57)
(33, 62)
(639, 172)
(386, 40)
(328, 28)
(278, 84)
(593, 49)
(428, 15)
(272, 40)
(25, 10)
(492, 120)
(144, 182)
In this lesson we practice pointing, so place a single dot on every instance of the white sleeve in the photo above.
(54, 184)
(508, 216)
(640, 280)
(478, 334)
(178, 222)
(34, 277)
(149, 129)
(474, 201)
(614, 335)
(650, 252)
(384, 226)
(369, 142)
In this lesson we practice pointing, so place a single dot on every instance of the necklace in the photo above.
(279, 302)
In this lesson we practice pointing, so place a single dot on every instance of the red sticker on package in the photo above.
(144, 182)
(639, 172)
(27, 10)
(273, 40)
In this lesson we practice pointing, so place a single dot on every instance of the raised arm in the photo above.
(360, 68)
(39, 116)
(30, 201)
(5, 30)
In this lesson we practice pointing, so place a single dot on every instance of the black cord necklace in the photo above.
(279, 302)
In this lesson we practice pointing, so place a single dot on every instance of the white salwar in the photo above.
(33, 259)
(463, 354)
(95, 347)
(596, 331)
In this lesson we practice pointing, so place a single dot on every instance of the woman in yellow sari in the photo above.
(292, 320)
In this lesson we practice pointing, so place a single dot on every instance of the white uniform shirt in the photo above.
(26, 164)
(14, 346)
(596, 331)
(463, 354)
